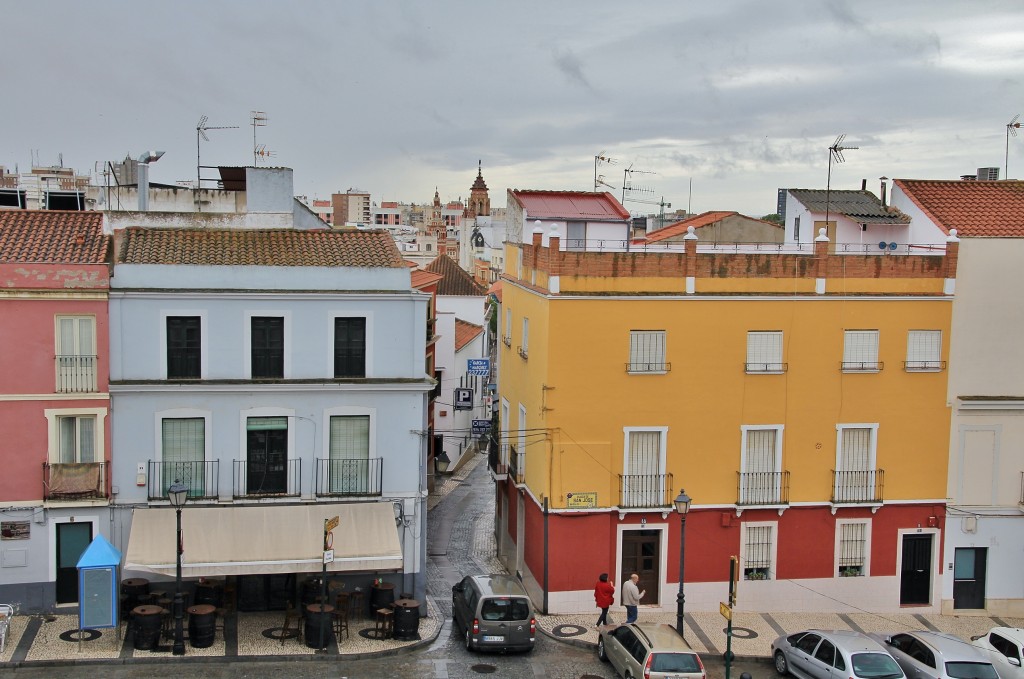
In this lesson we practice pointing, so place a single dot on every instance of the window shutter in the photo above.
(861, 347)
(760, 451)
(350, 437)
(764, 350)
(924, 347)
(856, 450)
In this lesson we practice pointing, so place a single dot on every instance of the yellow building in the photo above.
(798, 396)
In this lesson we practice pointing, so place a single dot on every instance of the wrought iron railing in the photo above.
(75, 481)
(497, 457)
(924, 366)
(862, 366)
(76, 374)
(360, 477)
(649, 367)
(516, 464)
(523, 353)
(259, 478)
(202, 478)
(645, 490)
(762, 488)
(858, 487)
(770, 368)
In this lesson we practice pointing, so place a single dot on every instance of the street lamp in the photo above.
(442, 462)
(682, 503)
(178, 495)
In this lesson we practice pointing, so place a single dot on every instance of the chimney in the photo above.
(883, 180)
(863, 184)
(144, 160)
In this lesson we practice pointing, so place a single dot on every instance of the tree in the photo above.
(774, 218)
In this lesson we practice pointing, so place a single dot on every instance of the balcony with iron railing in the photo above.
(258, 478)
(656, 367)
(201, 478)
(68, 482)
(858, 487)
(862, 366)
(76, 374)
(516, 465)
(766, 368)
(349, 478)
(645, 490)
(497, 459)
(762, 489)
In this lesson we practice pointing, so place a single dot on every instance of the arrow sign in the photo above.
(331, 524)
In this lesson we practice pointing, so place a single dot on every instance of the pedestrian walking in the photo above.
(604, 596)
(631, 596)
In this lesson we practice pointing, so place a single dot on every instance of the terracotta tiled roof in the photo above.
(697, 221)
(52, 236)
(860, 206)
(973, 208)
(563, 205)
(259, 247)
(495, 290)
(456, 281)
(421, 278)
(466, 332)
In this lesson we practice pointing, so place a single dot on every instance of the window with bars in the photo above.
(267, 346)
(350, 346)
(182, 454)
(852, 542)
(643, 483)
(924, 350)
(76, 354)
(349, 468)
(855, 471)
(764, 352)
(760, 478)
(860, 351)
(757, 549)
(184, 348)
(647, 351)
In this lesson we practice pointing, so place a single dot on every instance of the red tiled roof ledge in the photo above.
(564, 205)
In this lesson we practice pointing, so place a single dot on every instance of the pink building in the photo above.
(54, 400)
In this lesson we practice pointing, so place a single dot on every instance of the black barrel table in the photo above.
(146, 621)
(319, 627)
(407, 620)
(202, 625)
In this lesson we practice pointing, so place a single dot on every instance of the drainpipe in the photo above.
(143, 171)
(545, 555)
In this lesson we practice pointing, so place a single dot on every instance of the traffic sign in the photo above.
(479, 366)
(331, 524)
(329, 556)
(725, 611)
(481, 427)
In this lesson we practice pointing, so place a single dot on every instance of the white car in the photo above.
(933, 655)
(1005, 647)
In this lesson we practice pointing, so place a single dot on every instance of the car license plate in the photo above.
(494, 637)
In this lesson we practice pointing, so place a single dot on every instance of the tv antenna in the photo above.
(835, 153)
(599, 180)
(257, 119)
(262, 152)
(627, 183)
(201, 128)
(1011, 128)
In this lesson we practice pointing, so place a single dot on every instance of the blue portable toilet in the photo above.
(98, 586)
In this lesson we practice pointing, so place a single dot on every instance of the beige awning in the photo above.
(244, 540)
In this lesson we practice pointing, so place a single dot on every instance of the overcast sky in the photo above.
(395, 98)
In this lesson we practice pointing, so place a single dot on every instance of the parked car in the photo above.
(1005, 648)
(934, 655)
(648, 650)
(494, 613)
(937, 655)
(837, 654)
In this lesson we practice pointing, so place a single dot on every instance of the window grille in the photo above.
(758, 563)
(182, 452)
(924, 350)
(647, 351)
(860, 350)
(852, 543)
(764, 352)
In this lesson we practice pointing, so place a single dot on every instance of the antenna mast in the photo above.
(201, 128)
(1011, 128)
(258, 119)
(835, 152)
(599, 180)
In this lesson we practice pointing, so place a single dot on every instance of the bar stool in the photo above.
(355, 599)
(341, 618)
(385, 624)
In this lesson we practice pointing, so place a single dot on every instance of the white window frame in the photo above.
(662, 432)
(872, 466)
(773, 547)
(506, 413)
(924, 351)
(286, 317)
(76, 373)
(53, 416)
(776, 482)
(757, 350)
(640, 342)
(524, 346)
(507, 339)
(184, 414)
(368, 341)
(865, 557)
(243, 438)
(521, 448)
(204, 339)
(858, 354)
(345, 411)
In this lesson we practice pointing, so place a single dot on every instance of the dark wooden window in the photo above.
(267, 346)
(183, 347)
(350, 347)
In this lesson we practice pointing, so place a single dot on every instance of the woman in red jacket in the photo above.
(604, 595)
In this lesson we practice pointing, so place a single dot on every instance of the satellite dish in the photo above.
(892, 246)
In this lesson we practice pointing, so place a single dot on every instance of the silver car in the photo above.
(1005, 648)
(648, 650)
(933, 655)
(836, 654)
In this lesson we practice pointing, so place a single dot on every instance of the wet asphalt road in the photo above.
(461, 542)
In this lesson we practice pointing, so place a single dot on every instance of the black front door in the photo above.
(72, 539)
(915, 575)
(266, 468)
(640, 555)
(969, 577)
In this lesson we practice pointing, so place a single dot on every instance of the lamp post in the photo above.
(178, 495)
(441, 462)
(682, 503)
